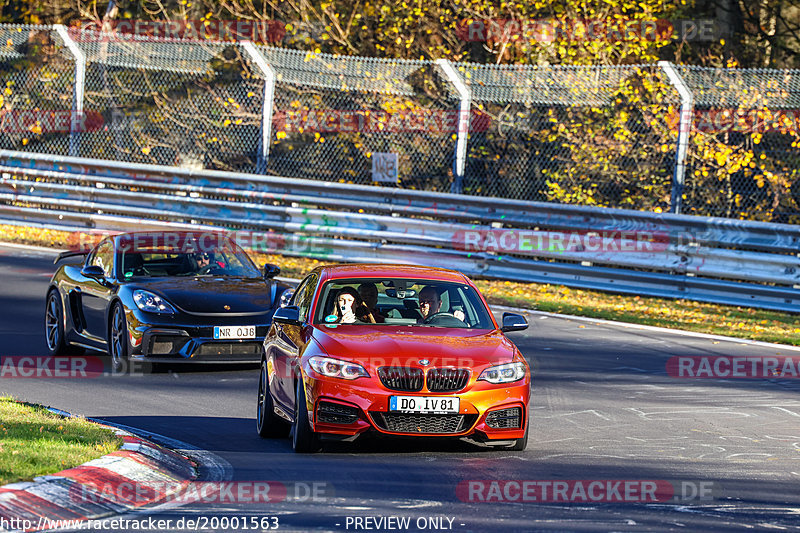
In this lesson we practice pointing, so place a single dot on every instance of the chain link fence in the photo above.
(593, 135)
(194, 105)
(36, 87)
(331, 114)
(743, 159)
(586, 135)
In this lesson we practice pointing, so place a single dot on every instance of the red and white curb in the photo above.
(140, 473)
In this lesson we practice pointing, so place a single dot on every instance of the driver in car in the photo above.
(206, 260)
(430, 303)
(203, 260)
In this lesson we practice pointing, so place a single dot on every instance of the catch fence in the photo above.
(658, 138)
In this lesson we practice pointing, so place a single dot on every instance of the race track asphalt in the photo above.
(603, 408)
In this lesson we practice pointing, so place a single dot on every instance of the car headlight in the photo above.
(335, 368)
(505, 373)
(152, 303)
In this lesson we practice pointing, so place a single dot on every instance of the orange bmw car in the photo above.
(394, 350)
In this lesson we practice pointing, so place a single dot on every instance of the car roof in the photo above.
(178, 233)
(177, 238)
(379, 270)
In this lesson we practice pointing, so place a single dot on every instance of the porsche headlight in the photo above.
(336, 368)
(152, 303)
(505, 373)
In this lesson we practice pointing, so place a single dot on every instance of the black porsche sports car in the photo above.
(162, 297)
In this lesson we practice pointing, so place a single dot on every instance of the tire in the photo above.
(304, 440)
(268, 424)
(520, 444)
(118, 348)
(54, 320)
(54, 323)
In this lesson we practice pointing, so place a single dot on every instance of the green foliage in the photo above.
(35, 442)
(618, 151)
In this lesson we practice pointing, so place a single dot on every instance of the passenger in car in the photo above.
(351, 308)
(369, 293)
(134, 265)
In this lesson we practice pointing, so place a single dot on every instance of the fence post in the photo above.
(266, 109)
(460, 159)
(77, 91)
(684, 130)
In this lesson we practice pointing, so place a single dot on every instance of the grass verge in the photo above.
(741, 322)
(36, 442)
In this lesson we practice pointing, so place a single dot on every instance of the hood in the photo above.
(374, 346)
(210, 295)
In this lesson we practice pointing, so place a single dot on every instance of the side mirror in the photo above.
(270, 270)
(513, 322)
(287, 315)
(94, 272)
(286, 297)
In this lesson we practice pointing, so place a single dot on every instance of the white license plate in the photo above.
(234, 332)
(423, 404)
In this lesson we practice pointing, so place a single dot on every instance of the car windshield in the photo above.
(407, 302)
(202, 257)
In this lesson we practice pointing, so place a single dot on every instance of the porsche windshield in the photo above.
(411, 302)
(224, 258)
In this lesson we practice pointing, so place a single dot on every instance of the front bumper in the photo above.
(173, 340)
(349, 408)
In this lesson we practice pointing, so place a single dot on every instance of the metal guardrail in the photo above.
(707, 259)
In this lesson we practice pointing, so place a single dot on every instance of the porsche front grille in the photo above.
(228, 348)
(447, 379)
(431, 424)
(165, 344)
(401, 378)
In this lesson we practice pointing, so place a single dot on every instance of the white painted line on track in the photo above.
(645, 327)
(32, 248)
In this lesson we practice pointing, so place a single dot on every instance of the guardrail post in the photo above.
(77, 90)
(684, 129)
(266, 109)
(460, 158)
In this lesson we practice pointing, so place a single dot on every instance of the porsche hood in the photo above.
(212, 295)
